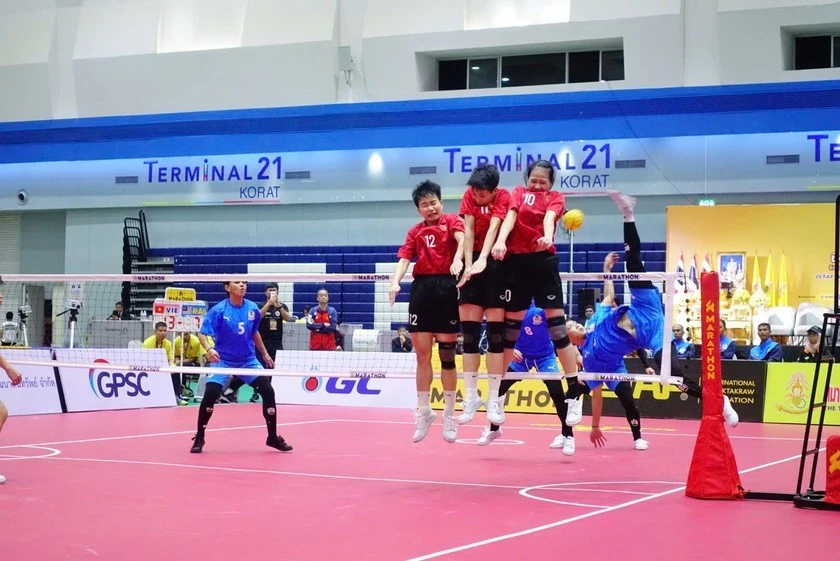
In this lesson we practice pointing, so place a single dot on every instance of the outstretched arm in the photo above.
(609, 288)
(13, 374)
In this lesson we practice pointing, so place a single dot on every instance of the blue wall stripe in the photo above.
(758, 108)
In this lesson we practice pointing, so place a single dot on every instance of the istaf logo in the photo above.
(106, 385)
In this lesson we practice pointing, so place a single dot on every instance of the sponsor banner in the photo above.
(745, 382)
(102, 388)
(38, 392)
(346, 378)
(788, 394)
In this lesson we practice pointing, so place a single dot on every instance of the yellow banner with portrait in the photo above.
(788, 394)
(732, 236)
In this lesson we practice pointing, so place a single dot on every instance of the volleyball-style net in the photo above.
(88, 319)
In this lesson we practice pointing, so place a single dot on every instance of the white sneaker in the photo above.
(625, 203)
(2, 479)
(729, 414)
(470, 408)
(558, 442)
(423, 420)
(450, 428)
(496, 410)
(488, 436)
(640, 444)
(569, 446)
(575, 412)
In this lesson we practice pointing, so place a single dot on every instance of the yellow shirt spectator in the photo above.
(159, 341)
(193, 352)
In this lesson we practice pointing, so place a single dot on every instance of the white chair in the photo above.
(366, 340)
(806, 316)
(781, 320)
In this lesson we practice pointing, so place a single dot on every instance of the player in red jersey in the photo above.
(483, 207)
(526, 244)
(438, 245)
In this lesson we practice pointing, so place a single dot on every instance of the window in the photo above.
(452, 75)
(816, 51)
(484, 73)
(531, 70)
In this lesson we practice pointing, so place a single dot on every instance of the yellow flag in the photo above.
(769, 283)
(783, 285)
(756, 275)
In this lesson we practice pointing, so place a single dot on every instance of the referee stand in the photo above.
(829, 499)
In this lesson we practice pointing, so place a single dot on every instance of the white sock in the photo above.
(470, 386)
(494, 381)
(448, 404)
(629, 216)
(423, 400)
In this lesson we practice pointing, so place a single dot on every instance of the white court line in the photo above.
(616, 431)
(312, 475)
(565, 521)
(147, 435)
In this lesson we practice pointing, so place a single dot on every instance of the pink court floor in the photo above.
(123, 486)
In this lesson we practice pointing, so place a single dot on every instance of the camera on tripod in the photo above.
(73, 305)
(24, 312)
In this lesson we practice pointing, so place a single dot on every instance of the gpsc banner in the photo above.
(788, 397)
(104, 388)
(345, 378)
(38, 392)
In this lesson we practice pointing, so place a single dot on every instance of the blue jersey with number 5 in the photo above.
(233, 329)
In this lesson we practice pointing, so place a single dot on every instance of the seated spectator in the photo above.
(727, 345)
(304, 317)
(588, 312)
(684, 348)
(188, 348)
(812, 347)
(767, 350)
(402, 342)
(159, 341)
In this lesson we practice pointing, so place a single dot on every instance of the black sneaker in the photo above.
(279, 443)
(228, 397)
(254, 398)
(198, 445)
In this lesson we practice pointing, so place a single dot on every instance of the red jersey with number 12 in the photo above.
(433, 246)
(483, 214)
(531, 208)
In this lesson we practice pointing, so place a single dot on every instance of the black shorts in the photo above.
(433, 305)
(486, 289)
(532, 275)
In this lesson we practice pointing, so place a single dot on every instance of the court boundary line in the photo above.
(565, 521)
(171, 433)
(310, 475)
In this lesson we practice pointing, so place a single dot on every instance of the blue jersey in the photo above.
(606, 343)
(233, 328)
(534, 340)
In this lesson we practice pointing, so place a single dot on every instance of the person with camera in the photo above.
(273, 313)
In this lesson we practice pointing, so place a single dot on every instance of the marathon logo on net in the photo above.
(620, 276)
(372, 277)
(145, 278)
(614, 377)
(107, 385)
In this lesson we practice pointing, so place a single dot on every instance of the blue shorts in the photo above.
(610, 385)
(546, 363)
(646, 313)
(223, 379)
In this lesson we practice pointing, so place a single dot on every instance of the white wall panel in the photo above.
(117, 29)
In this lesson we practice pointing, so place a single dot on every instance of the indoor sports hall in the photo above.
(377, 280)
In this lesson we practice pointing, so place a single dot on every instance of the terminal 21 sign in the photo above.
(698, 165)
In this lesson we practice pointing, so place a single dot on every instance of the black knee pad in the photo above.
(495, 336)
(262, 386)
(447, 355)
(512, 329)
(557, 331)
(472, 335)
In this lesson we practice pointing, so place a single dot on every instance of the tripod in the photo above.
(74, 317)
(22, 315)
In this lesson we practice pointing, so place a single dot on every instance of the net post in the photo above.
(665, 369)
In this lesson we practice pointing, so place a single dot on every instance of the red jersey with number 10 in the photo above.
(482, 214)
(433, 246)
(531, 208)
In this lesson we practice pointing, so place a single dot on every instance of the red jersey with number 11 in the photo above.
(531, 208)
(483, 214)
(433, 246)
